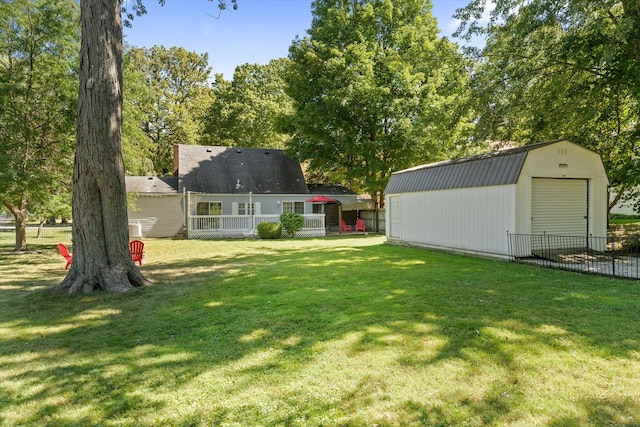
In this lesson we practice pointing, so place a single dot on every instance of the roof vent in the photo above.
(238, 150)
(267, 152)
(209, 150)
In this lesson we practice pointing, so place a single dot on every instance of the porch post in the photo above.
(188, 211)
(251, 225)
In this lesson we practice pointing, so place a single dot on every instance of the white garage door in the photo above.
(560, 206)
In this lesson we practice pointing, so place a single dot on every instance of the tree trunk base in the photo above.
(108, 279)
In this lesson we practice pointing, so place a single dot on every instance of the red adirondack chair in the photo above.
(64, 251)
(360, 225)
(344, 227)
(137, 250)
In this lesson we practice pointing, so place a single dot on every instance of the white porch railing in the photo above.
(239, 226)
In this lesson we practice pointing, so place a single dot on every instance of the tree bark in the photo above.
(101, 257)
(20, 215)
(40, 228)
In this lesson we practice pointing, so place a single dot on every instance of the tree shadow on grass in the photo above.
(325, 335)
(603, 412)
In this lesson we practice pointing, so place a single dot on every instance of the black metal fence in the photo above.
(617, 256)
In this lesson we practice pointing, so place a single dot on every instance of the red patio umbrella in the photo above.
(326, 200)
(321, 199)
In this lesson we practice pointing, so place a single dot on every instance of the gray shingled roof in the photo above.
(152, 184)
(496, 168)
(226, 170)
(330, 189)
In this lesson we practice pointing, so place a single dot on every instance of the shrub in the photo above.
(269, 230)
(292, 222)
(631, 245)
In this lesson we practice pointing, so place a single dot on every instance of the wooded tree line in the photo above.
(371, 89)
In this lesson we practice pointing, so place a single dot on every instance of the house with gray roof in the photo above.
(472, 204)
(226, 191)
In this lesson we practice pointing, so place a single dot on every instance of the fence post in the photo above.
(509, 246)
(613, 255)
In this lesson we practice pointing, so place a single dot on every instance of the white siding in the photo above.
(159, 215)
(569, 161)
(469, 219)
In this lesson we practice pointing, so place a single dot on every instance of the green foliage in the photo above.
(168, 97)
(138, 148)
(39, 44)
(269, 230)
(557, 69)
(374, 90)
(624, 221)
(292, 222)
(248, 111)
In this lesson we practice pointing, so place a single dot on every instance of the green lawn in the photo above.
(49, 235)
(624, 221)
(332, 332)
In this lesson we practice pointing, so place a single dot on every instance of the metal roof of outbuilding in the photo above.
(495, 168)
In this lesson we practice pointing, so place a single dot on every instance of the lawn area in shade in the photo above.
(344, 331)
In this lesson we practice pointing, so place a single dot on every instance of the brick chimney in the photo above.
(176, 161)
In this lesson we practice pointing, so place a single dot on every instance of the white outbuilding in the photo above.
(473, 204)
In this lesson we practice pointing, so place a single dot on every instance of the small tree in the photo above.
(38, 81)
(292, 222)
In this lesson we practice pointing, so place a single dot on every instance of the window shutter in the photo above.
(256, 208)
(234, 208)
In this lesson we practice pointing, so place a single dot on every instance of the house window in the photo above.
(209, 208)
(246, 208)
(297, 207)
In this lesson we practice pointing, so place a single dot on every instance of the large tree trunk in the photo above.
(20, 215)
(101, 257)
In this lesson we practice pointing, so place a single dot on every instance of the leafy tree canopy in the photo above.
(138, 148)
(248, 111)
(554, 69)
(168, 96)
(373, 89)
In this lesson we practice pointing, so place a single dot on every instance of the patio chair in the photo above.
(64, 251)
(137, 250)
(360, 225)
(344, 227)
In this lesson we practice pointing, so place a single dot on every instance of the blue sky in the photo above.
(260, 30)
